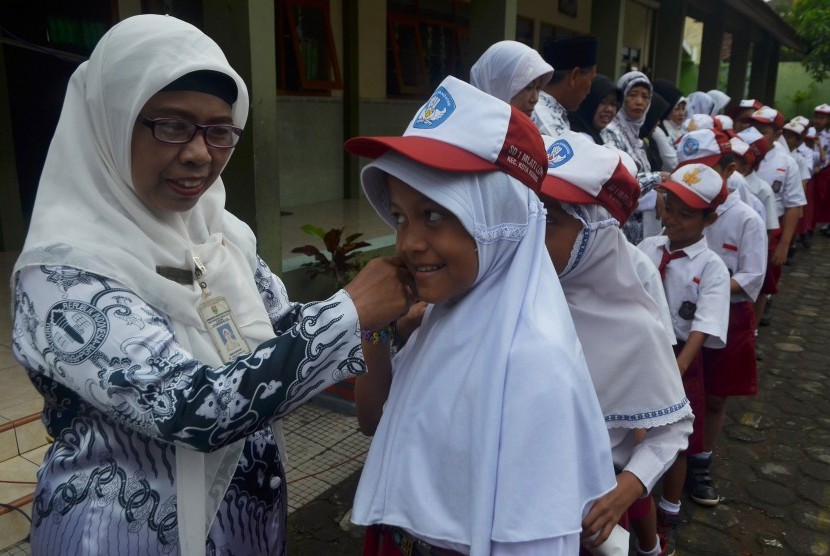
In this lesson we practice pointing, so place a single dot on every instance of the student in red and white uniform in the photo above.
(696, 282)
(793, 135)
(741, 113)
(747, 166)
(821, 120)
(779, 170)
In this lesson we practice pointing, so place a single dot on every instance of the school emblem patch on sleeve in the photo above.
(776, 186)
(437, 109)
(75, 330)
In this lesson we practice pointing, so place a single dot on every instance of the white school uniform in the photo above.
(809, 155)
(780, 171)
(739, 238)
(766, 195)
(824, 139)
(697, 290)
(650, 278)
(737, 182)
(804, 166)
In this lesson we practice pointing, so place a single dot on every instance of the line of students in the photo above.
(713, 230)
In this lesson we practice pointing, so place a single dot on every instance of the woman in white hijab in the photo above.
(721, 99)
(624, 134)
(131, 277)
(490, 440)
(618, 322)
(513, 72)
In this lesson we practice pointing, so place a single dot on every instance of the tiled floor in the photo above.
(324, 446)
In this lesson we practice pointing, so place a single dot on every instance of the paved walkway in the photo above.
(772, 465)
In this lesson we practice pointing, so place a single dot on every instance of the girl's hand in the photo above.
(607, 511)
(407, 324)
(382, 292)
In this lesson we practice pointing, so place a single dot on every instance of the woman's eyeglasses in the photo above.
(181, 131)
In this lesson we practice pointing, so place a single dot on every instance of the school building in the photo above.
(321, 71)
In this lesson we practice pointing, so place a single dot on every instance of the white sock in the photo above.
(653, 552)
(669, 507)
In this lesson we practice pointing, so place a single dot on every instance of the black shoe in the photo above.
(766, 317)
(667, 531)
(699, 482)
(806, 239)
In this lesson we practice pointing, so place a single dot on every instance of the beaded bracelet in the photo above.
(381, 336)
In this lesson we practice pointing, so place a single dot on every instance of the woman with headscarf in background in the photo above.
(598, 109)
(624, 134)
(700, 103)
(721, 100)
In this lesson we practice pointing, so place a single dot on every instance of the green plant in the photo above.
(341, 263)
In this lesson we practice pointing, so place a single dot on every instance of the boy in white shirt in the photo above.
(697, 289)
(779, 170)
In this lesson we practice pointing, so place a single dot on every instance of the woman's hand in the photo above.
(382, 292)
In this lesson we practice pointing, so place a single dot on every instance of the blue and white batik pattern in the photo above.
(120, 394)
(550, 116)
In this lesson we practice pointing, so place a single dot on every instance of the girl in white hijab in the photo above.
(490, 439)
(513, 72)
(618, 322)
(700, 103)
(131, 274)
(721, 99)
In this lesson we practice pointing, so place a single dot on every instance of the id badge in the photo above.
(216, 314)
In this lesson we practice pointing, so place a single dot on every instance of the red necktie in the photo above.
(668, 257)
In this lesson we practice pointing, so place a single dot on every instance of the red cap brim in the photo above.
(426, 151)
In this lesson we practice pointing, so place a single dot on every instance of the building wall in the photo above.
(549, 13)
(637, 30)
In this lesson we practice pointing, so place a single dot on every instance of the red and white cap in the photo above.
(726, 123)
(768, 115)
(704, 146)
(463, 129)
(747, 103)
(795, 127)
(742, 150)
(757, 143)
(699, 121)
(698, 186)
(584, 173)
(801, 120)
(823, 109)
(810, 133)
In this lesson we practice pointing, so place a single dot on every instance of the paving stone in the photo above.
(771, 493)
(817, 470)
(813, 518)
(744, 434)
(808, 543)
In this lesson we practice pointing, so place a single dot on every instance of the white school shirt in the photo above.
(668, 154)
(697, 287)
(804, 165)
(740, 240)
(809, 155)
(780, 171)
(737, 182)
(766, 195)
(656, 452)
(550, 116)
(824, 139)
(650, 278)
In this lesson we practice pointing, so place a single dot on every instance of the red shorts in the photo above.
(693, 386)
(821, 196)
(805, 223)
(773, 274)
(732, 371)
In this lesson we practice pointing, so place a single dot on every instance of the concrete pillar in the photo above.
(12, 232)
(759, 73)
(738, 64)
(710, 51)
(668, 43)
(351, 95)
(772, 73)
(608, 24)
(490, 21)
(245, 31)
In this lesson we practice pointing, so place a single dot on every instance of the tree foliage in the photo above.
(811, 21)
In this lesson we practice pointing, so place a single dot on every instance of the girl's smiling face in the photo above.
(437, 250)
(684, 224)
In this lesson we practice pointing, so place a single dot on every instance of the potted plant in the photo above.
(340, 262)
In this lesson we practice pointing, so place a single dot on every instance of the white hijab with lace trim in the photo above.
(492, 430)
(629, 355)
(87, 216)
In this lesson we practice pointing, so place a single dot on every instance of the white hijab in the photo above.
(87, 216)
(492, 430)
(631, 360)
(700, 103)
(720, 99)
(630, 127)
(506, 68)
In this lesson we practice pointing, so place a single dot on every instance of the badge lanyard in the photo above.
(216, 314)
